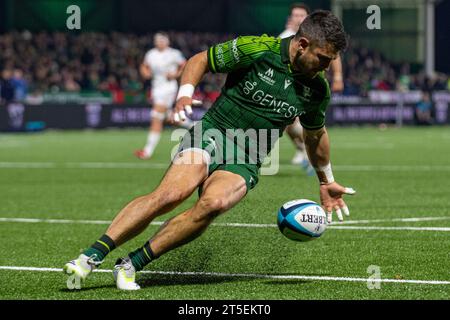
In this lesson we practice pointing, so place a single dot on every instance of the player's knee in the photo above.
(167, 198)
(210, 207)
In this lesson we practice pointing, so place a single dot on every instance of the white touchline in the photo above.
(338, 225)
(419, 219)
(245, 275)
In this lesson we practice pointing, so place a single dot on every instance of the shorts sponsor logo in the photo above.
(233, 146)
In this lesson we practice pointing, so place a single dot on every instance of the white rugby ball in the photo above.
(302, 220)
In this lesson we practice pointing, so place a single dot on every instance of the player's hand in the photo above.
(331, 199)
(183, 107)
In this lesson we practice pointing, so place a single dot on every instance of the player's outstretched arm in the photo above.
(191, 76)
(338, 80)
(318, 148)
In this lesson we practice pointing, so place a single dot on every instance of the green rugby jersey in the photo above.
(261, 91)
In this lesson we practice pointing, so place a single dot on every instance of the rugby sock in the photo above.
(142, 256)
(101, 248)
(152, 141)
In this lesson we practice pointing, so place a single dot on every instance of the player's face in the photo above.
(297, 16)
(161, 42)
(312, 59)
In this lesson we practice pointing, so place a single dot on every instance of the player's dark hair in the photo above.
(299, 5)
(321, 27)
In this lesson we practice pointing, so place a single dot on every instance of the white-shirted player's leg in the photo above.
(295, 132)
(158, 115)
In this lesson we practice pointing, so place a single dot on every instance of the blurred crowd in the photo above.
(366, 70)
(99, 62)
(87, 62)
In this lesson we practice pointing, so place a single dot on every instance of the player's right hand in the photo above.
(183, 107)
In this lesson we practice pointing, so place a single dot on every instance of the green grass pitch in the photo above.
(91, 175)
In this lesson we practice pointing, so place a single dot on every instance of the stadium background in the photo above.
(96, 67)
(59, 188)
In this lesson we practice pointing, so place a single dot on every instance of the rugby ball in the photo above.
(302, 220)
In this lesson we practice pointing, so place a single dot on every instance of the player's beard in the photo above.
(302, 66)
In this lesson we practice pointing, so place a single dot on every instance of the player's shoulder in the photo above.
(316, 89)
(321, 86)
(262, 42)
(151, 52)
(264, 38)
(173, 50)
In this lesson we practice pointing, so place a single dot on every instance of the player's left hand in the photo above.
(331, 199)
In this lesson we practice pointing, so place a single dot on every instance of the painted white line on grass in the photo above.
(392, 167)
(246, 275)
(27, 165)
(12, 144)
(246, 225)
(249, 225)
(115, 165)
(391, 220)
(134, 165)
(62, 221)
(81, 165)
(391, 228)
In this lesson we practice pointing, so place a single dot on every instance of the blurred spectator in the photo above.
(20, 85)
(424, 109)
(6, 86)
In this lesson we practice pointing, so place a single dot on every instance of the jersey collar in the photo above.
(285, 49)
(285, 42)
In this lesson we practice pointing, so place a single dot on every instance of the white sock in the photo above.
(152, 142)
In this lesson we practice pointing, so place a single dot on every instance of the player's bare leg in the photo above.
(222, 190)
(183, 177)
(158, 115)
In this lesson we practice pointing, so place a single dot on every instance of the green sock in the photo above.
(101, 248)
(142, 256)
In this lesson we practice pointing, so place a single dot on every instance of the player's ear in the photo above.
(303, 44)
